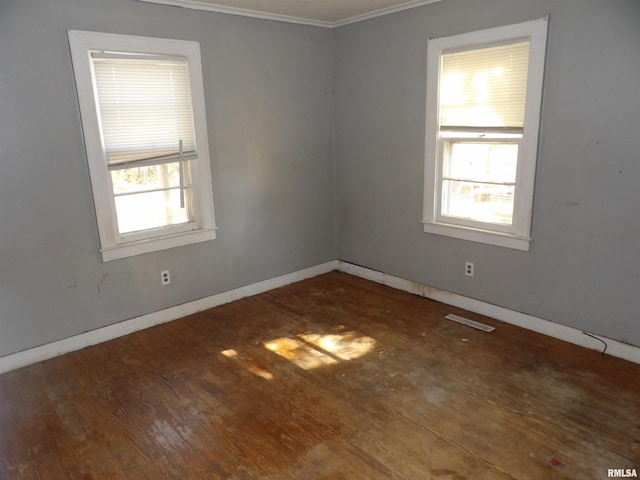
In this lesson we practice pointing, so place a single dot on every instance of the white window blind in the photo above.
(484, 97)
(145, 106)
(140, 99)
(484, 87)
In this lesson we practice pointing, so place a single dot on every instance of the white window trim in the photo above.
(114, 245)
(519, 237)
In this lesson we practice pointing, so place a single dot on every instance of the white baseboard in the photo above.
(546, 327)
(77, 342)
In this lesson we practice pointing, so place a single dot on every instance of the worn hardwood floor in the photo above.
(331, 378)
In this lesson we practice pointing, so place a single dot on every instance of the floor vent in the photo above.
(470, 323)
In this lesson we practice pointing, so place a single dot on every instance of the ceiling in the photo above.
(323, 13)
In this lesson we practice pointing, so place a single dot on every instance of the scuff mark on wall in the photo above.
(103, 281)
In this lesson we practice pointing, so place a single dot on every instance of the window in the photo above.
(142, 106)
(484, 92)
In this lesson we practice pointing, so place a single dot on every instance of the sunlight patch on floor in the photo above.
(299, 353)
(346, 347)
(311, 350)
(260, 372)
(249, 365)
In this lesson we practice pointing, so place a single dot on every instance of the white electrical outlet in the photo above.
(165, 277)
(468, 269)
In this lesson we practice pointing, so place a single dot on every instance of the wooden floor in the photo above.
(331, 378)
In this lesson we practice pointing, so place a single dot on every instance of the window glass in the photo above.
(484, 91)
(142, 105)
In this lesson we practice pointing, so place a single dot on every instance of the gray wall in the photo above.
(583, 269)
(268, 88)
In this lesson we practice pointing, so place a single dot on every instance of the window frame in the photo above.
(115, 245)
(446, 141)
(518, 235)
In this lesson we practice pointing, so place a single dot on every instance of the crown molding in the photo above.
(244, 12)
(383, 11)
(199, 5)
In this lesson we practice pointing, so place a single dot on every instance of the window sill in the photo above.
(478, 235)
(139, 247)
